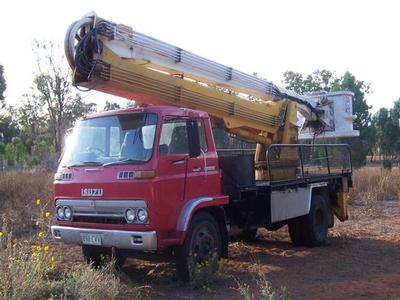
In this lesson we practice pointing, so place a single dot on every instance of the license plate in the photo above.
(91, 239)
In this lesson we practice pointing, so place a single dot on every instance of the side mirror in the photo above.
(193, 138)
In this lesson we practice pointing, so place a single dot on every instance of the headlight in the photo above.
(60, 212)
(67, 213)
(130, 215)
(142, 215)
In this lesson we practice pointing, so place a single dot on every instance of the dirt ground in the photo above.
(360, 261)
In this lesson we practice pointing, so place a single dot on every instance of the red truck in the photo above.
(151, 180)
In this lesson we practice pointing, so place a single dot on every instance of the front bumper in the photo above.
(136, 240)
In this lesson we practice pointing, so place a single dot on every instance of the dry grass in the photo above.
(375, 184)
(19, 192)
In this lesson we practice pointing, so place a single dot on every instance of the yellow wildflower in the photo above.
(38, 201)
(1, 234)
(41, 234)
(52, 263)
(46, 248)
(47, 214)
(37, 223)
(36, 248)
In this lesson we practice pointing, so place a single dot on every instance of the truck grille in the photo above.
(100, 220)
(100, 211)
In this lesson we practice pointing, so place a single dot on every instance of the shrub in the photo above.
(263, 291)
(84, 282)
(28, 270)
(387, 164)
(203, 274)
(25, 267)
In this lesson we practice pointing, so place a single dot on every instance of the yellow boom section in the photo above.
(256, 121)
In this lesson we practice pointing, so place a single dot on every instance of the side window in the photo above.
(174, 139)
(202, 135)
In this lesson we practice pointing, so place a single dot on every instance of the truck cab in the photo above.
(133, 178)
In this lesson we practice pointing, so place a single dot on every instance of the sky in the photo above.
(267, 37)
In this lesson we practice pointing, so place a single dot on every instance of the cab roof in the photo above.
(157, 109)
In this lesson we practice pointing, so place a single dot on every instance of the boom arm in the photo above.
(113, 58)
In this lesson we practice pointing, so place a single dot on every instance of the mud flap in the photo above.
(340, 209)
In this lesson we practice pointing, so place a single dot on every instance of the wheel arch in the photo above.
(205, 204)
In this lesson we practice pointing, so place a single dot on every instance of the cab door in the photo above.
(181, 177)
(196, 178)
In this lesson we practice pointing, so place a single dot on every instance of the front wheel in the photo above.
(201, 249)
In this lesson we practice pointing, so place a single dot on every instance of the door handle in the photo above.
(196, 169)
(177, 162)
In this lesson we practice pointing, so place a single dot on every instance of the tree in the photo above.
(395, 118)
(325, 80)
(8, 128)
(52, 90)
(111, 106)
(15, 152)
(319, 80)
(364, 144)
(3, 84)
(386, 124)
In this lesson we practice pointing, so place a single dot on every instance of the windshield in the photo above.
(127, 138)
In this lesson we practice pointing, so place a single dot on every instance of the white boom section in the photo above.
(158, 55)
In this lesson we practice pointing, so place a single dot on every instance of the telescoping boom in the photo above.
(115, 59)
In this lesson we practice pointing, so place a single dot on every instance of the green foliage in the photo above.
(319, 80)
(111, 106)
(386, 123)
(8, 127)
(3, 84)
(15, 152)
(387, 164)
(29, 270)
(202, 275)
(325, 80)
(44, 114)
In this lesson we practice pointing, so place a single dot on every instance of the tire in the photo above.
(315, 224)
(100, 256)
(203, 240)
(296, 232)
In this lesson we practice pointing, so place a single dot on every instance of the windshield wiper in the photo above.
(124, 161)
(86, 163)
